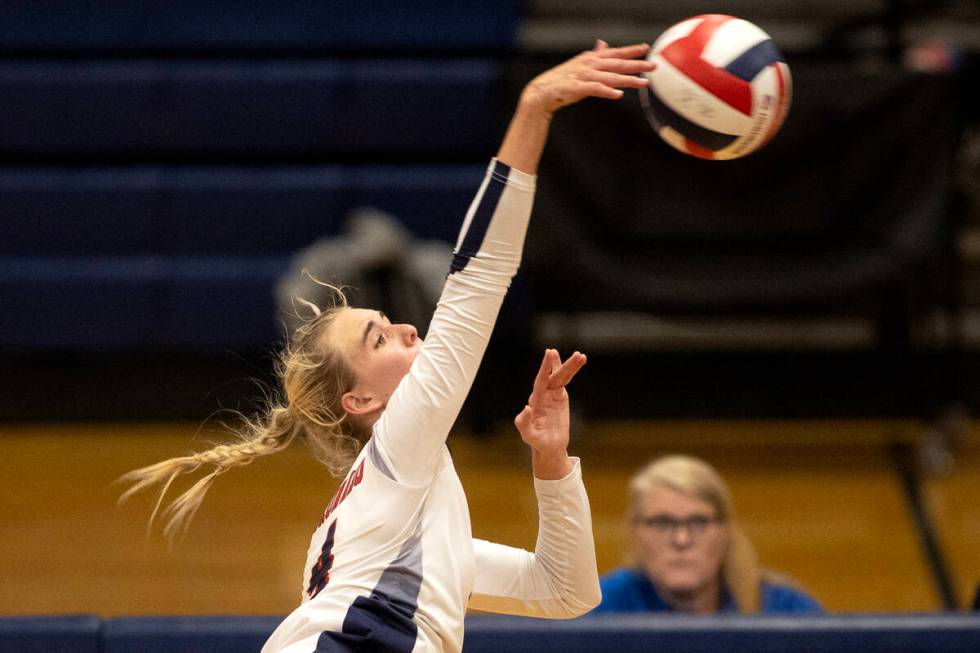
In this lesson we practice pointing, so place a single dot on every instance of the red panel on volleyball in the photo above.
(685, 55)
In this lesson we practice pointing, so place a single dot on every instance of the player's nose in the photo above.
(409, 333)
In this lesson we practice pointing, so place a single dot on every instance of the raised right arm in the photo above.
(602, 72)
(409, 435)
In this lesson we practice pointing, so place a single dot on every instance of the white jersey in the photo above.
(393, 564)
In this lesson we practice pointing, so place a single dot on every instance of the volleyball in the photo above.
(721, 88)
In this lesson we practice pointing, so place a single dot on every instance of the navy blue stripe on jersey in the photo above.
(751, 62)
(384, 621)
(477, 229)
(377, 460)
(371, 624)
(664, 116)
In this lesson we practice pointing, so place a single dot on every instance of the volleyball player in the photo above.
(392, 565)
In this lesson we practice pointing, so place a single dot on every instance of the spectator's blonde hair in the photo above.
(313, 376)
(740, 570)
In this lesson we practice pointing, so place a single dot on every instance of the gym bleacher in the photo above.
(166, 161)
(161, 163)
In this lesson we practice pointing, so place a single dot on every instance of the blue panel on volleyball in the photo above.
(235, 211)
(751, 62)
(67, 634)
(667, 117)
(249, 110)
(256, 25)
(188, 634)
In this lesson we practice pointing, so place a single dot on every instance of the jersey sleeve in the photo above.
(560, 579)
(409, 436)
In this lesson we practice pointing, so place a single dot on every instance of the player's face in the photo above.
(380, 353)
(680, 542)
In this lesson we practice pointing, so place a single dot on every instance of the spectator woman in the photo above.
(691, 556)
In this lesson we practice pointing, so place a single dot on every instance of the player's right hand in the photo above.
(602, 72)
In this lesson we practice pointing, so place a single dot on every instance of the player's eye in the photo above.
(381, 340)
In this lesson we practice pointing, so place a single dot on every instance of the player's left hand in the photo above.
(543, 424)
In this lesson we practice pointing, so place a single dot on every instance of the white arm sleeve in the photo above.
(560, 579)
(411, 432)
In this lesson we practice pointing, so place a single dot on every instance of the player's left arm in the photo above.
(560, 579)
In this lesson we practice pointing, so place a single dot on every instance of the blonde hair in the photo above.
(692, 476)
(313, 376)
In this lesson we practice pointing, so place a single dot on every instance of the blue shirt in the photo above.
(630, 590)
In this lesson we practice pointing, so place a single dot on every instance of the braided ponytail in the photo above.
(314, 376)
(271, 435)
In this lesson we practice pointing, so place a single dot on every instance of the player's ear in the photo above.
(357, 404)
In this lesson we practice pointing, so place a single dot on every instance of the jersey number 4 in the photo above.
(320, 574)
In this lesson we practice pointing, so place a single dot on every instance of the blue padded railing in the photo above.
(187, 634)
(248, 110)
(886, 633)
(215, 211)
(27, 26)
(158, 303)
(937, 633)
(55, 634)
(162, 258)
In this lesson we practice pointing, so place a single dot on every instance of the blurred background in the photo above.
(807, 319)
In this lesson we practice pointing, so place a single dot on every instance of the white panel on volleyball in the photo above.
(767, 104)
(694, 103)
(731, 39)
(678, 31)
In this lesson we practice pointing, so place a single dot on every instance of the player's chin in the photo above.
(416, 348)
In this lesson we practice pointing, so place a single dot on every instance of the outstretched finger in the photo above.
(625, 52)
(564, 374)
(600, 45)
(597, 89)
(615, 80)
(549, 362)
(626, 66)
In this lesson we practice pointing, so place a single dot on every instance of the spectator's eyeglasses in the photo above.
(666, 525)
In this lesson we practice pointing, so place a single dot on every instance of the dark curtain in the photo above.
(849, 204)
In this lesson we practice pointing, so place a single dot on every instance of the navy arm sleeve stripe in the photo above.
(481, 220)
